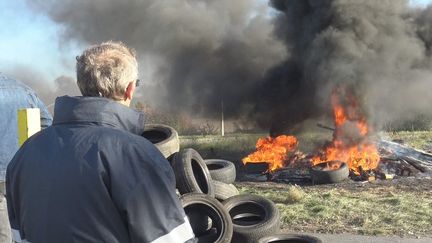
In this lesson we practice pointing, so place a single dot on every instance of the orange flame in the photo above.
(363, 154)
(273, 151)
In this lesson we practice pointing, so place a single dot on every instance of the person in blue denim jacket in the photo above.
(14, 95)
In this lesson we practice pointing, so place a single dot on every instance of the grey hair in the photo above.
(106, 70)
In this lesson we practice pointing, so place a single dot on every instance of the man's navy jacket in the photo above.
(91, 177)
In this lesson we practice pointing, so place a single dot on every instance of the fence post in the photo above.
(28, 123)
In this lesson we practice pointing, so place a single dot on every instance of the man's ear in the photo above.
(130, 91)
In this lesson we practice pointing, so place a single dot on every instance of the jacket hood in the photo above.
(97, 110)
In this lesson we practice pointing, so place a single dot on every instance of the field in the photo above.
(394, 207)
(236, 146)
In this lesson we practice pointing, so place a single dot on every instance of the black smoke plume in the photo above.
(377, 48)
(278, 68)
(203, 51)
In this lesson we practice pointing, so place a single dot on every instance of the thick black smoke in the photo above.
(203, 51)
(282, 68)
(380, 49)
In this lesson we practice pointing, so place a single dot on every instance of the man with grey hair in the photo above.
(91, 177)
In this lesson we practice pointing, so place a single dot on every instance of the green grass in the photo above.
(236, 146)
(232, 147)
(368, 212)
(420, 140)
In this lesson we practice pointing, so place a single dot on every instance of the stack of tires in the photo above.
(201, 196)
(215, 209)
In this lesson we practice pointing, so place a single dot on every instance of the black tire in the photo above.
(206, 205)
(224, 191)
(322, 176)
(210, 236)
(201, 223)
(290, 238)
(191, 173)
(221, 170)
(253, 217)
(165, 138)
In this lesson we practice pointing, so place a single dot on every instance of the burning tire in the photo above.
(165, 138)
(221, 224)
(191, 173)
(253, 217)
(221, 170)
(290, 238)
(323, 173)
(224, 191)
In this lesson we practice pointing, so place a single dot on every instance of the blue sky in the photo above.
(420, 2)
(31, 40)
(28, 39)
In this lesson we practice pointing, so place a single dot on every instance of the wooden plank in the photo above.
(400, 150)
(418, 164)
(28, 123)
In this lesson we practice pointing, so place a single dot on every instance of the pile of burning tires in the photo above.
(215, 209)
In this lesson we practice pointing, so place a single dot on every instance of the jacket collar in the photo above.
(97, 110)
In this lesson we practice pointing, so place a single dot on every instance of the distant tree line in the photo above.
(416, 123)
(179, 121)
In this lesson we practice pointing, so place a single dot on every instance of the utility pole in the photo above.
(222, 123)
